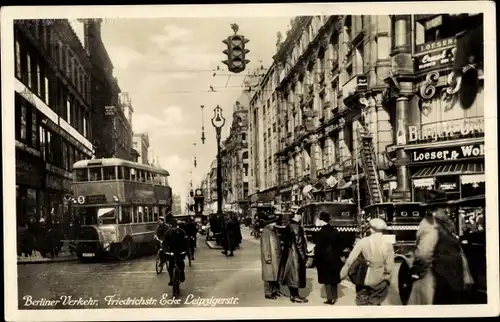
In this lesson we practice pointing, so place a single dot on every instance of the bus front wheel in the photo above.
(125, 249)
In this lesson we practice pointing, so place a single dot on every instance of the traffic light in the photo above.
(236, 53)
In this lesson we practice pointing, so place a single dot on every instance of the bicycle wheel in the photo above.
(159, 264)
(176, 282)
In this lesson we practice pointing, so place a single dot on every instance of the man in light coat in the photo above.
(270, 255)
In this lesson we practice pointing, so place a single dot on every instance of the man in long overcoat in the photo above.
(232, 236)
(270, 254)
(327, 256)
(292, 271)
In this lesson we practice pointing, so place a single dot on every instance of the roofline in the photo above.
(82, 164)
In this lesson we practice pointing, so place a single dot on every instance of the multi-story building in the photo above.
(353, 89)
(141, 145)
(176, 204)
(112, 111)
(263, 134)
(209, 186)
(235, 159)
(52, 114)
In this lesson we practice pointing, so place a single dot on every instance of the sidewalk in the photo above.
(64, 256)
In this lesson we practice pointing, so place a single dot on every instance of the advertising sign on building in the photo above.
(446, 130)
(435, 55)
(461, 152)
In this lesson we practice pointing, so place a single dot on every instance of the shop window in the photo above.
(109, 173)
(31, 203)
(95, 174)
(81, 175)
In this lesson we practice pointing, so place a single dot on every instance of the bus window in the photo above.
(95, 174)
(106, 215)
(157, 179)
(155, 213)
(140, 213)
(126, 173)
(133, 174)
(163, 181)
(109, 173)
(81, 175)
(147, 176)
(126, 217)
(151, 218)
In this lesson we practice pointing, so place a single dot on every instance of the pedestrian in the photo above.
(270, 254)
(378, 254)
(328, 257)
(231, 236)
(292, 270)
(440, 269)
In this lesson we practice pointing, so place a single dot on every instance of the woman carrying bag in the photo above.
(370, 265)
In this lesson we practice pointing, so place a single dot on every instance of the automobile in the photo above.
(343, 217)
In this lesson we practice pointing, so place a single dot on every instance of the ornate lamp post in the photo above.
(218, 122)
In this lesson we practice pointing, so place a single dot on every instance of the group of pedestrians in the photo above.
(440, 270)
(42, 236)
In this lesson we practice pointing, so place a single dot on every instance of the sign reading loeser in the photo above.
(434, 55)
(448, 154)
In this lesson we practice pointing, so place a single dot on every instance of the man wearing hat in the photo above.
(379, 254)
(292, 270)
(327, 256)
(161, 228)
(270, 254)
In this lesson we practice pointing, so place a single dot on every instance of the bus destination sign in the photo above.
(95, 199)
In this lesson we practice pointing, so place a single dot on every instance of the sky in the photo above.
(167, 67)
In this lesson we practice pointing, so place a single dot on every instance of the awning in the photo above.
(449, 169)
(473, 178)
(423, 182)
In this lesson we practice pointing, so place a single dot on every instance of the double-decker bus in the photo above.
(118, 204)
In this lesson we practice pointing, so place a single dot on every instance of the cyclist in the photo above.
(161, 229)
(175, 242)
(191, 230)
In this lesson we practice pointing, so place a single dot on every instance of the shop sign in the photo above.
(473, 178)
(451, 186)
(448, 154)
(446, 130)
(437, 54)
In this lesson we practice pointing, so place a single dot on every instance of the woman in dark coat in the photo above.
(292, 271)
(327, 256)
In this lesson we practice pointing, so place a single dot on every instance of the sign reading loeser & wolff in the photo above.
(446, 130)
(462, 152)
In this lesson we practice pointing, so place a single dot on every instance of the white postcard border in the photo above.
(143, 11)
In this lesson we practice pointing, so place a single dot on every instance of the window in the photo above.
(24, 122)
(41, 133)
(50, 155)
(34, 130)
(47, 92)
(245, 170)
(65, 152)
(39, 81)
(125, 215)
(84, 126)
(109, 173)
(68, 111)
(245, 155)
(71, 156)
(18, 59)
(80, 175)
(139, 215)
(95, 174)
(28, 65)
(133, 174)
(244, 136)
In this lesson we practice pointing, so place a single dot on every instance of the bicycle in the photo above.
(159, 261)
(176, 275)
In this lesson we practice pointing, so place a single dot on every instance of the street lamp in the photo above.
(218, 122)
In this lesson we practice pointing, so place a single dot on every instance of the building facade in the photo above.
(141, 145)
(112, 111)
(263, 136)
(235, 159)
(176, 205)
(53, 114)
(352, 87)
(209, 188)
